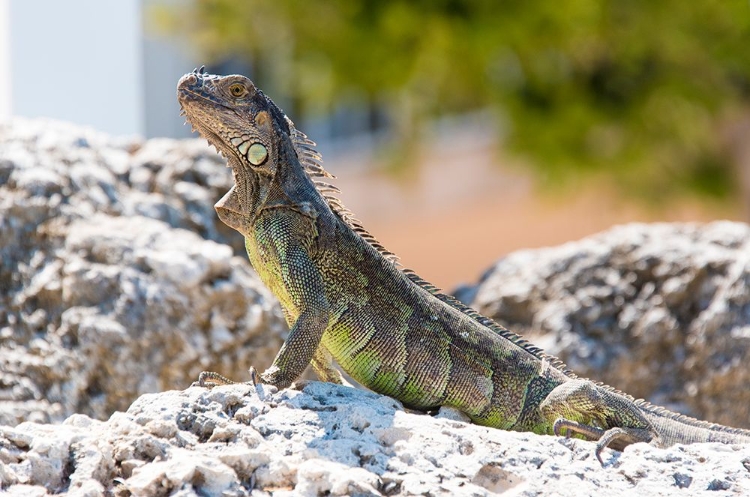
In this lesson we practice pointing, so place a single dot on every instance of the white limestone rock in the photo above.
(334, 440)
(110, 286)
(660, 311)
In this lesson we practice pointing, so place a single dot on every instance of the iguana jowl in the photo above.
(346, 298)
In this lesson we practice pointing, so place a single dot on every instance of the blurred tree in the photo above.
(644, 91)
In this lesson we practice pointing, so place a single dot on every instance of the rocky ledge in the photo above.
(334, 440)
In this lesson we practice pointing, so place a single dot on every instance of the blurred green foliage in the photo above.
(640, 90)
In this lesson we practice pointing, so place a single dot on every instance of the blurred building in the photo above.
(92, 63)
(98, 64)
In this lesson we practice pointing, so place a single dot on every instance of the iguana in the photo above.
(347, 298)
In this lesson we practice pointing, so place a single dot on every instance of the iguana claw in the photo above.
(210, 379)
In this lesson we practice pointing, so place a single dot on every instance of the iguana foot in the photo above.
(210, 379)
(572, 427)
(618, 437)
(621, 437)
(277, 377)
(598, 413)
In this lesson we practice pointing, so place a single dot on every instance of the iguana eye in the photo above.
(238, 90)
(257, 154)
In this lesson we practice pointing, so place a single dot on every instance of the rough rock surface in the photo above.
(334, 440)
(661, 311)
(107, 290)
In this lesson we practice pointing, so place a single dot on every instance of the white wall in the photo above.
(5, 89)
(76, 60)
(165, 60)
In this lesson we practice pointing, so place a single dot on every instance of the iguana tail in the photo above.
(674, 428)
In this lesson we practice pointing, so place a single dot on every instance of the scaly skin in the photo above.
(345, 297)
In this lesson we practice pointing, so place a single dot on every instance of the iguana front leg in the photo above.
(284, 240)
(582, 407)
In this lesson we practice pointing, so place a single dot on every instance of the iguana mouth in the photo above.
(186, 96)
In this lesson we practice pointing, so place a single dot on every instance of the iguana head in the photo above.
(247, 128)
(270, 158)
